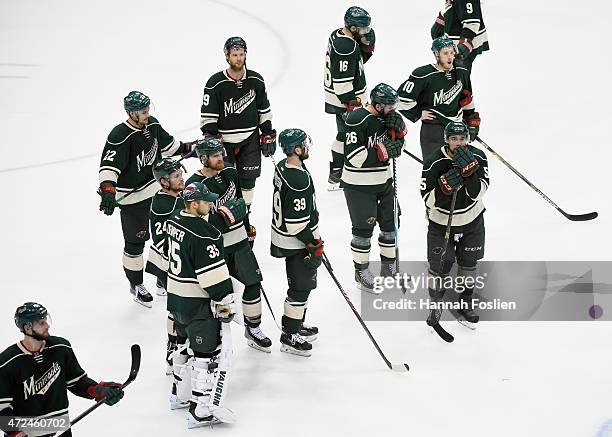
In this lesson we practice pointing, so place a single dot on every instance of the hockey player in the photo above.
(295, 237)
(235, 107)
(169, 174)
(125, 173)
(200, 298)
(374, 134)
(437, 94)
(456, 166)
(36, 373)
(461, 21)
(232, 220)
(344, 83)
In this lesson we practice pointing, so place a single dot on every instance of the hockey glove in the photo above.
(353, 104)
(437, 30)
(466, 98)
(109, 392)
(315, 254)
(466, 161)
(251, 234)
(225, 309)
(464, 48)
(394, 122)
(381, 152)
(267, 142)
(233, 211)
(367, 41)
(394, 147)
(107, 192)
(473, 124)
(450, 181)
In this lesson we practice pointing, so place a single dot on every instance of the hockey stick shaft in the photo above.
(263, 292)
(396, 223)
(356, 313)
(416, 158)
(573, 217)
(134, 368)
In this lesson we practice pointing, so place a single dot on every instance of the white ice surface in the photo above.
(542, 94)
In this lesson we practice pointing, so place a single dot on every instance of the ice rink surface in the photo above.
(64, 69)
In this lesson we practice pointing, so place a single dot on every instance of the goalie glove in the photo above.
(233, 211)
(225, 309)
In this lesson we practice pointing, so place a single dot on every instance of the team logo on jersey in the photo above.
(377, 138)
(142, 235)
(437, 250)
(445, 98)
(145, 159)
(198, 339)
(40, 386)
(229, 194)
(237, 107)
(371, 220)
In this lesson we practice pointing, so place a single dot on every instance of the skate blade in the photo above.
(143, 303)
(334, 187)
(292, 351)
(258, 347)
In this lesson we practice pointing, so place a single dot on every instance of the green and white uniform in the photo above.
(162, 207)
(295, 223)
(129, 155)
(467, 239)
(34, 384)
(368, 188)
(463, 19)
(197, 273)
(430, 88)
(239, 256)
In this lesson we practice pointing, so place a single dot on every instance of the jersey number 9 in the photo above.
(278, 212)
(206, 99)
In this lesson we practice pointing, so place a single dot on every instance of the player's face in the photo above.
(446, 57)
(236, 58)
(40, 329)
(176, 180)
(215, 161)
(455, 141)
(204, 207)
(385, 110)
(141, 117)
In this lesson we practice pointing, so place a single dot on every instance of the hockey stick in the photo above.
(396, 224)
(572, 217)
(396, 367)
(444, 335)
(133, 190)
(416, 158)
(269, 307)
(134, 368)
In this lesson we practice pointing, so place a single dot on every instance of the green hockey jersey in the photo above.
(344, 78)
(430, 88)
(463, 19)
(34, 384)
(196, 267)
(469, 205)
(362, 169)
(224, 184)
(235, 109)
(162, 207)
(129, 155)
(295, 219)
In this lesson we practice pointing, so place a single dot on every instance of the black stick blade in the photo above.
(581, 217)
(442, 333)
(135, 367)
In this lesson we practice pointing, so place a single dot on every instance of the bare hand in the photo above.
(427, 115)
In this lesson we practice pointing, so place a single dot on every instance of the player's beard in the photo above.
(304, 155)
(177, 187)
(237, 66)
(40, 336)
(220, 165)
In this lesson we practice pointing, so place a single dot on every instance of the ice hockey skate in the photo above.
(257, 339)
(295, 344)
(141, 295)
